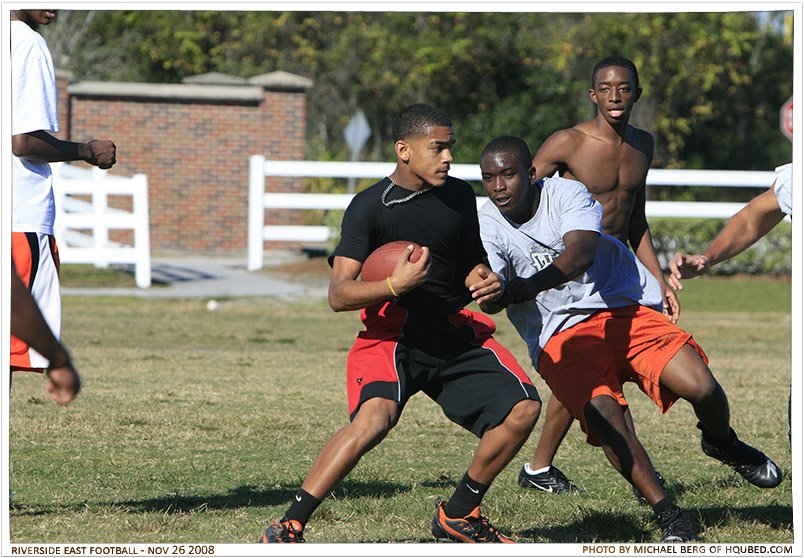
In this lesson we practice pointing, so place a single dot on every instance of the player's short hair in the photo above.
(418, 120)
(509, 144)
(619, 62)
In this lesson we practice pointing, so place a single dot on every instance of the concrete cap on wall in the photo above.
(247, 93)
(281, 81)
(64, 74)
(214, 78)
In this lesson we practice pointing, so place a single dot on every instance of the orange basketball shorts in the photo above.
(614, 346)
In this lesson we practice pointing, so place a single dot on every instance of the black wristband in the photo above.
(62, 364)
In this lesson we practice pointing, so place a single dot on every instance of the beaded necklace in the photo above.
(400, 200)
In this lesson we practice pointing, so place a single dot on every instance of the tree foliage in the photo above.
(713, 82)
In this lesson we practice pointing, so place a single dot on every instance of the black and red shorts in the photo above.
(453, 359)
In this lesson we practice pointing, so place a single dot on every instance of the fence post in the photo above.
(142, 231)
(96, 216)
(256, 212)
(100, 203)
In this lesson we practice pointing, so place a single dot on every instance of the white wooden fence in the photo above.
(259, 200)
(75, 216)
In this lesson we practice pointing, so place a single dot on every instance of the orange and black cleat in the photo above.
(474, 528)
(283, 531)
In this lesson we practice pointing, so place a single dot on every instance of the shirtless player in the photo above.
(612, 159)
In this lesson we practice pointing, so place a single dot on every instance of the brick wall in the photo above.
(193, 141)
(63, 79)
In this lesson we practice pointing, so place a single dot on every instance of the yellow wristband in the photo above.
(393, 292)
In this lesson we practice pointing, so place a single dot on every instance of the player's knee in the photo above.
(707, 392)
(376, 417)
(603, 414)
(523, 415)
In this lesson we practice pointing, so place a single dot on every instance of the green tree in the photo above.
(713, 82)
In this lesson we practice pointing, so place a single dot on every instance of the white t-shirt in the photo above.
(783, 188)
(616, 278)
(33, 107)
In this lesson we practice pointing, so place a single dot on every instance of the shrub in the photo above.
(770, 255)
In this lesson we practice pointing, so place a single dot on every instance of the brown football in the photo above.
(382, 261)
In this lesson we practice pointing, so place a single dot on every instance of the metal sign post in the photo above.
(356, 133)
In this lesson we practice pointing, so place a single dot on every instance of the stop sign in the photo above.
(786, 118)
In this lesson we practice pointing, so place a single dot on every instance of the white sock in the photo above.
(530, 472)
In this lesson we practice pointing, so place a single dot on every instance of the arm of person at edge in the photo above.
(641, 241)
(41, 146)
(576, 258)
(28, 324)
(747, 226)
(347, 293)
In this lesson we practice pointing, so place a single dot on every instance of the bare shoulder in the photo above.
(557, 152)
(567, 138)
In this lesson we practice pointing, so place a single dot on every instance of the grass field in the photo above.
(198, 426)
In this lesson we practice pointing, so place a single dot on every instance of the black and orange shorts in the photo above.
(36, 259)
(453, 359)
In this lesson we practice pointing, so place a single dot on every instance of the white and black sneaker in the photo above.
(753, 465)
(552, 480)
(676, 525)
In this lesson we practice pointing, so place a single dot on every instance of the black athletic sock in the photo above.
(466, 498)
(722, 444)
(662, 506)
(302, 507)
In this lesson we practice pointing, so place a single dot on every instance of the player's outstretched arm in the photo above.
(642, 243)
(41, 146)
(647, 255)
(686, 266)
(28, 324)
(747, 226)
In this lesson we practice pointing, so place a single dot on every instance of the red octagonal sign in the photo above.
(786, 118)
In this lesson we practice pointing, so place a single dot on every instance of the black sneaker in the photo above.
(676, 525)
(753, 465)
(552, 481)
(639, 495)
(474, 528)
(283, 531)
